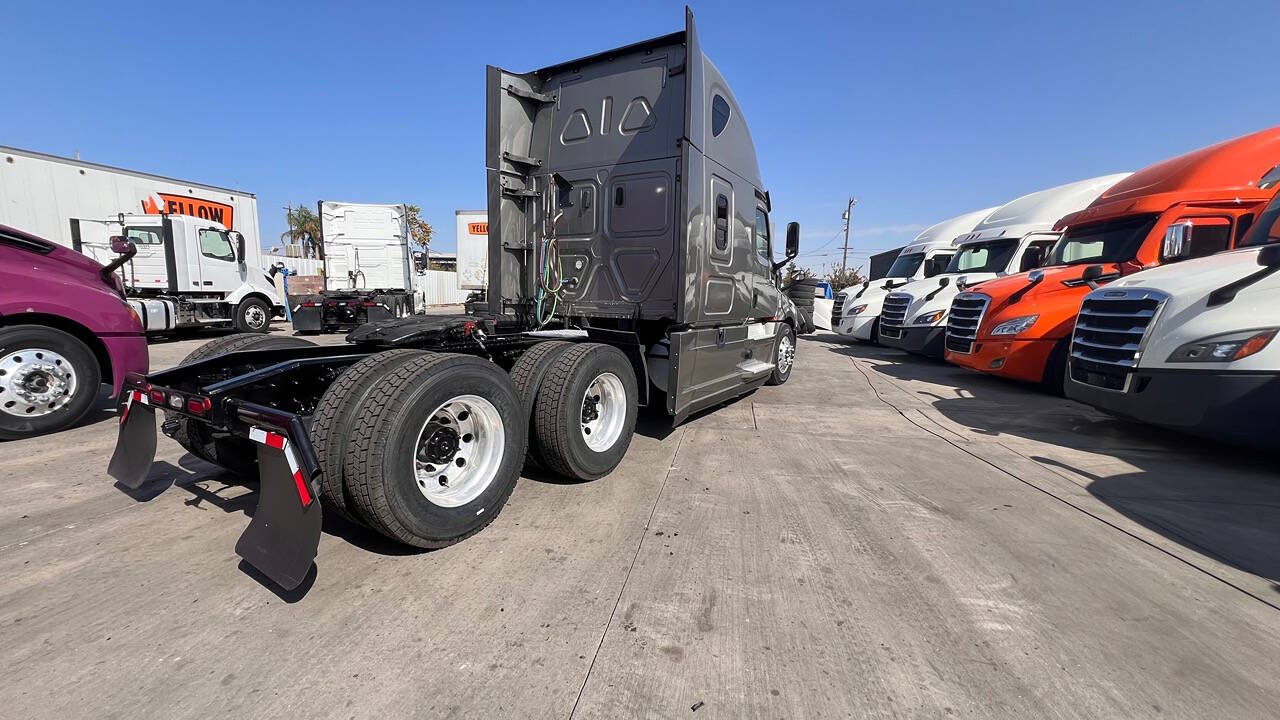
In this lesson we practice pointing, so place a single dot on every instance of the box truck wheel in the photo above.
(336, 413)
(49, 379)
(784, 355)
(253, 315)
(527, 376)
(235, 454)
(436, 449)
(585, 411)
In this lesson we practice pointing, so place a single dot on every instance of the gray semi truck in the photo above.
(631, 257)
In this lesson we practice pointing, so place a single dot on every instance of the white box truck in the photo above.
(198, 260)
(473, 256)
(368, 268)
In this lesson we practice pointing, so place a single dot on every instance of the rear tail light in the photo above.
(157, 397)
(307, 304)
(370, 303)
(199, 406)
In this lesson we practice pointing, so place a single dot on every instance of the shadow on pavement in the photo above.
(1217, 500)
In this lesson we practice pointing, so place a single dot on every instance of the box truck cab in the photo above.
(856, 310)
(1190, 346)
(1015, 238)
(1192, 205)
(198, 261)
(189, 272)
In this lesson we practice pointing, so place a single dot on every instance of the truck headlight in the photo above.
(930, 318)
(1015, 326)
(1224, 348)
(856, 309)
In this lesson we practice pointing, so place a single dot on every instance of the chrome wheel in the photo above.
(255, 317)
(604, 411)
(786, 353)
(459, 451)
(35, 382)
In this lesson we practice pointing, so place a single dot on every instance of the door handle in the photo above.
(720, 337)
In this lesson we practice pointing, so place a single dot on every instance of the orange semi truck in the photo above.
(1196, 204)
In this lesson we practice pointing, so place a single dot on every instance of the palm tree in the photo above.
(304, 230)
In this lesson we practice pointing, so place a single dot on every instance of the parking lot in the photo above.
(883, 536)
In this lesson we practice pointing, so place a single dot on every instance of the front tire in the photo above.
(784, 355)
(436, 450)
(253, 315)
(585, 412)
(49, 379)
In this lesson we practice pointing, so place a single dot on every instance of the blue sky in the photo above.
(921, 110)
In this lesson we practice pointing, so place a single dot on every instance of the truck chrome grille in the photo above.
(1109, 336)
(893, 315)
(963, 321)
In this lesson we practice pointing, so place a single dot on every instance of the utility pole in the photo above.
(844, 260)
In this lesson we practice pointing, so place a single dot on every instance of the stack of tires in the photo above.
(801, 291)
(425, 448)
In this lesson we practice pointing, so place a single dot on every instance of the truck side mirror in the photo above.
(1269, 256)
(1032, 258)
(121, 245)
(239, 247)
(793, 239)
(1177, 241)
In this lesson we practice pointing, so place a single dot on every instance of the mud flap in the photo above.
(282, 539)
(136, 443)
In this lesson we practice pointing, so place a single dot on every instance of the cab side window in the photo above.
(936, 264)
(215, 244)
(763, 247)
(144, 236)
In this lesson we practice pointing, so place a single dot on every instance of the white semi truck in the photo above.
(1191, 345)
(1015, 238)
(198, 260)
(856, 310)
(369, 269)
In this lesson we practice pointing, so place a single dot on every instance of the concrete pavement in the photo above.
(881, 537)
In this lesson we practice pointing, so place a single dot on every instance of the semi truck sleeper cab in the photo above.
(1015, 238)
(1189, 206)
(1190, 346)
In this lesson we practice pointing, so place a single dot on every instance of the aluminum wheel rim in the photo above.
(452, 470)
(604, 410)
(786, 353)
(35, 382)
(255, 317)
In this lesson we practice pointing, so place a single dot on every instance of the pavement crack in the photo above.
(627, 578)
(1059, 498)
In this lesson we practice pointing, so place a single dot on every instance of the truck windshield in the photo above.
(906, 266)
(1267, 229)
(1106, 242)
(990, 256)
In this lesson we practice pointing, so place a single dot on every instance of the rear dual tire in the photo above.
(584, 414)
(436, 449)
